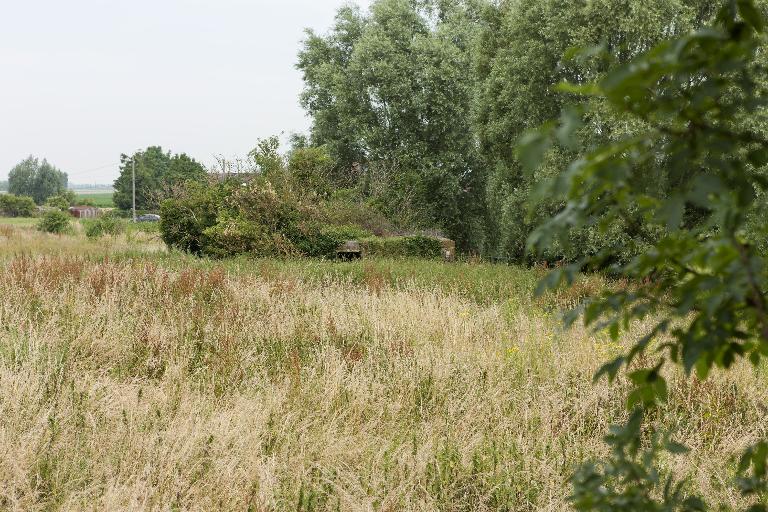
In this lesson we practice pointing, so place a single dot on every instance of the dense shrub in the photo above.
(267, 218)
(256, 218)
(324, 241)
(63, 200)
(59, 202)
(346, 207)
(185, 218)
(17, 206)
(403, 246)
(55, 221)
(311, 168)
(105, 225)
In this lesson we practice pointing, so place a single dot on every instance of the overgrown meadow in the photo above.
(137, 378)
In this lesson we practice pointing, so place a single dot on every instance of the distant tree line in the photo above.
(31, 183)
(158, 175)
(37, 179)
(420, 105)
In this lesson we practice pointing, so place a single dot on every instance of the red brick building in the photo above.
(84, 212)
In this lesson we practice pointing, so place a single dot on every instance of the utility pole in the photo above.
(133, 179)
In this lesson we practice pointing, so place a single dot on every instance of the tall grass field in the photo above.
(134, 378)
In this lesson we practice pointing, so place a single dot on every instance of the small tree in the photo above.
(266, 155)
(700, 103)
(158, 173)
(39, 180)
(62, 201)
(56, 222)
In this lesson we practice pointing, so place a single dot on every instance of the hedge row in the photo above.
(17, 206)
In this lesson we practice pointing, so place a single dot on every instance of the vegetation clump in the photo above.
(256, 218)
(12, 205)
(413, 246)
(63, 200)
(55, 221)
(106, 225)
(286, 206)
(36, 179)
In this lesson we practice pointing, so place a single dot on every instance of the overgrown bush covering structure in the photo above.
(284, 206)
(262, 217)
(64, 200)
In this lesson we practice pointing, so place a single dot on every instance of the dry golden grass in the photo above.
(133, 380)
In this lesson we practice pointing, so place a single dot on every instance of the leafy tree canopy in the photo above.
(36, 179)
(390, 95)
(158, 173)
(419, 104)
(17, 206)
(693, 169)
(62, 201)
(522, 54)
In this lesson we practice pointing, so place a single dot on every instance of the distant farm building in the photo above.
(84, 212)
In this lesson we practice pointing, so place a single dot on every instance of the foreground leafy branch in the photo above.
(700, 102)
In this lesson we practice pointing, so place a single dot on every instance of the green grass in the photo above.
(18, 221)
(137, 373)
(480, 283)
(100, 199)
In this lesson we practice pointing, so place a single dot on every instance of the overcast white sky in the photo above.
(83, 80)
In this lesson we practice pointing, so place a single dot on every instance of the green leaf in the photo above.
(703, 187)
(614, 331)
(583, 53)
(671, 212)
(611, 369)
(570, 123)
(650, 388)
(590, 89)
(532, 147)
(751, 15)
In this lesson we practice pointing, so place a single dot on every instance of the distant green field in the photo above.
(100, 199)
